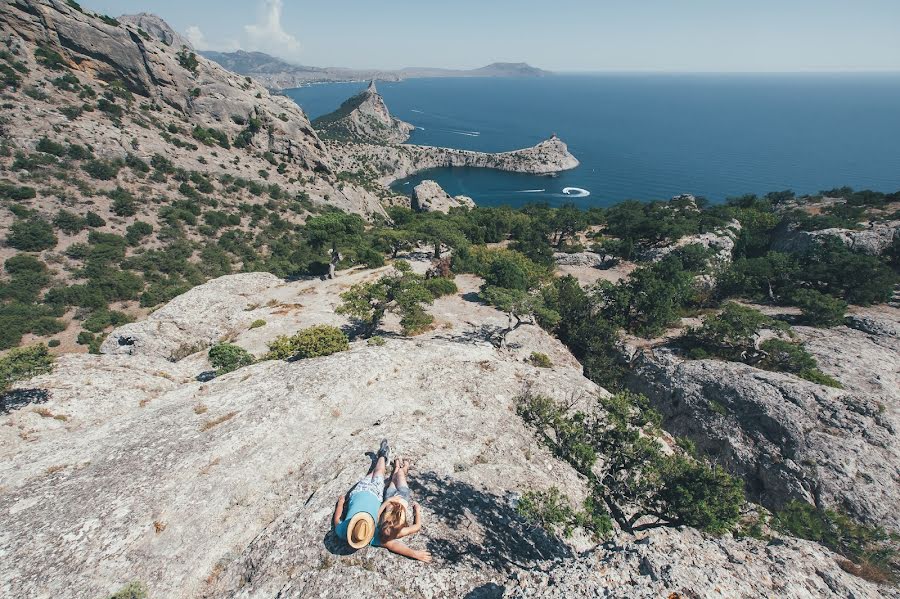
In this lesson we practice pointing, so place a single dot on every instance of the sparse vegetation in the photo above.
(24, 363)
(322, 340)
(226, 357)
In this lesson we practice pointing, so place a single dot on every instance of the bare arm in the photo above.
(417, 523)
(338, 511)
(401, 549)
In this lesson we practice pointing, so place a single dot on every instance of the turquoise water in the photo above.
(653, 136)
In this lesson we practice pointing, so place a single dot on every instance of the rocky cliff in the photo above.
(225, 488)
(363, 118)
(389, 164)
(154, 92)
(428, 196)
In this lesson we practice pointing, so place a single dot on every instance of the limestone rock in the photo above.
(158, 28)
(787, 437)
(193, 321)
(364, 118)
(874, 239)
(721, 242)
(589, 259)
(428, 196)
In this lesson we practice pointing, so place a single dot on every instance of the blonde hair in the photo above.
(392, 520)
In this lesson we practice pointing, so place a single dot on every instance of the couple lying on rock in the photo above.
(378, 517)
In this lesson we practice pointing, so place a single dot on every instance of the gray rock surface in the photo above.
(874, 239)
(130, 469)
(158, 28)
(428, 196)
(720, 241)
(789, 438)
(589, 259)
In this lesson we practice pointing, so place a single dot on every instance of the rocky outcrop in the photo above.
(364, 118)
(720, 242)
(157, 28)
(589, 259)
(131, 469)
(874, 239)
(428, 196)
(789, 438)
(685, 563)
(193, 321)
(393, 163)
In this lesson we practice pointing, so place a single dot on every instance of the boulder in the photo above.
(589, 259)
(428, 196)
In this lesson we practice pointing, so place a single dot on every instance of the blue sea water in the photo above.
(653, 136)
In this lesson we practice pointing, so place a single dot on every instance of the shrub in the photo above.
(376, 341)
(257, 324)
(784, 356)
(137, 231)
(54, 343)
(31, 235)
(123, 203)
(552, 511)
(94, 220)
(104, 318)
(133, 590)
(49, 58)
(69, 222)
(77, 152)
(226, 357)
(439, 286)
(14, 192)
(403, 293)
(322, 340)
(188, 60)
(85, 338)
(24, 363)
(540, 360)
(51, 147)
(101, 169)
(819, 310)
(870, 548)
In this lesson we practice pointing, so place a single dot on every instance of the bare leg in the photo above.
(401, 469)
(378, 468)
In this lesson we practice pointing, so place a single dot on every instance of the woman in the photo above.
(394, 514)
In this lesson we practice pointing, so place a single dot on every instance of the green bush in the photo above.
(257, 324)
(440, 286)
(188, 60)
(54, 343)
(869, 547)
(49, 58)
(101, 169)
(322, 340)
(14, 192)
(31, 235)
(51, 147)
(104, 318)
(69, 222)
(226, 357)
(784, 356)
(133, 590)
(137, 231)
(552, 511)
(77, 152)
(376, 341)
(124, 203)
(819, 310)
(540, 360)
(24, 363)
(94, 220)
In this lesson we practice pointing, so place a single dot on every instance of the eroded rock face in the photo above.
(428, 196)
(874, 239)
(789, 438)
(591, 259)
(158, 28)
(720, 241)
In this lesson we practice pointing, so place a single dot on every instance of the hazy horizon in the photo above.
(690, 36)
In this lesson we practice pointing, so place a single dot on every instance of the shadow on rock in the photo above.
(490, 590)
(468, 524)
(19, 398)
(485, 333)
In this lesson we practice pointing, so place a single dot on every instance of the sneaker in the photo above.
(384, 451)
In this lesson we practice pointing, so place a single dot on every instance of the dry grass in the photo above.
(206, 469)
(335, 413)
(159, 526)
(143, 403)
(45, 413)
(867, 571)
(56, 468)
(200, 409)
(217, 421)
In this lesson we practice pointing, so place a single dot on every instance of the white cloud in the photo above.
(197, 38)
(269, 35)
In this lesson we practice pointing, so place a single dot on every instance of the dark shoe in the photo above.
(384, 451)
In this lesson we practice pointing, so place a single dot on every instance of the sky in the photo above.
(562, 35)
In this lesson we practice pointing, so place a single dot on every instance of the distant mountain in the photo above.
(279, 74)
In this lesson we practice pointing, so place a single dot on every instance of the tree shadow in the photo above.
(480, 334)
(491, 590)
(480, 527)
(19, 398)
(474, 297)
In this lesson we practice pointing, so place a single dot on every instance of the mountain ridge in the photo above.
(277, 73)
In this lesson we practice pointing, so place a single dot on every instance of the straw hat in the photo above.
(361, 530)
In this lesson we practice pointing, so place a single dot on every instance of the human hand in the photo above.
(424, 556)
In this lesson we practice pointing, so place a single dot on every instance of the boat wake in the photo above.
(468, 133)
(532, 191)
(575, 192)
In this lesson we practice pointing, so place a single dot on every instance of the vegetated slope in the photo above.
(225, 488)
(117, 145)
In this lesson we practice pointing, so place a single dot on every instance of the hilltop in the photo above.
(276, 73)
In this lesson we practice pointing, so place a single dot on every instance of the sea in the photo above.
(652, 136)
